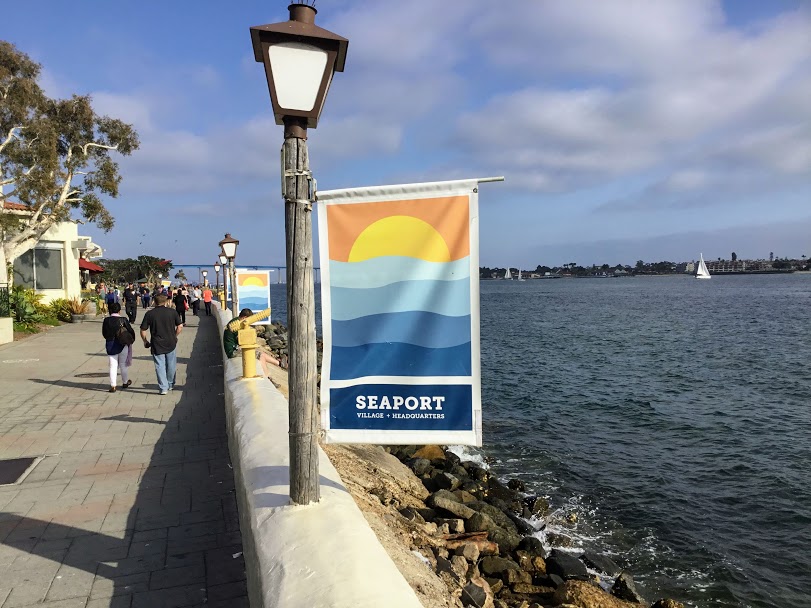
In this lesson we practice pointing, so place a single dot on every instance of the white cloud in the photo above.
(677, 84)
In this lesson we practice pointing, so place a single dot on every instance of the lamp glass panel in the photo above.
(216, 267)
(223, 259)
(230, 249)
(298, 70)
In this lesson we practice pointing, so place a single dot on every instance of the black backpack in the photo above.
(123, 336)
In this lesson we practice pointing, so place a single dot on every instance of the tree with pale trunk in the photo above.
(55, 158)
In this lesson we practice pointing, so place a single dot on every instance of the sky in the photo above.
(625, 129)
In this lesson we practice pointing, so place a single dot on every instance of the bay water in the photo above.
(667, 420)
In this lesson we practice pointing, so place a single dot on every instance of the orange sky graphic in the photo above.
(242, 277)
(449, 215)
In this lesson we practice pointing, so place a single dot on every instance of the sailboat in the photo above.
(519, 275)
(508, 275)
(701, 271)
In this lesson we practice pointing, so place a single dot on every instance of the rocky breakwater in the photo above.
(273, 338)
(485, 549)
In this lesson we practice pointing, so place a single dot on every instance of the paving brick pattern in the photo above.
(133, 502)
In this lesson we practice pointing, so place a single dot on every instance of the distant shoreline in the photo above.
(649, 275)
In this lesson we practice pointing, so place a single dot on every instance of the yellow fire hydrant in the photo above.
(246, 338)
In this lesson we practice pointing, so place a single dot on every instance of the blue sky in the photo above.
(626, 129)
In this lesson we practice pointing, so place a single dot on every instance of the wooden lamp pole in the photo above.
(300, 59)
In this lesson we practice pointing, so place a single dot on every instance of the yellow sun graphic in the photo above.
(400, 235)
(252, 281)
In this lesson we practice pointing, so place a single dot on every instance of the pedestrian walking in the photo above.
(181, 305)
(195, 297)
(131, 302)
(118, 345)
(111, 298)
(164, 327)
(207, 297)
(145, 296)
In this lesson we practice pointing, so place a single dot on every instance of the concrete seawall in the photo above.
(322, 555)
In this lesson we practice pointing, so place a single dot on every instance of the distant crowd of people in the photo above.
(163, 321)
(182, 298)
(160, 328)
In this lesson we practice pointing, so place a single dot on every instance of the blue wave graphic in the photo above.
(392, 359)
(449, 298)
(386, 270)
(255, 304)
(414, 327)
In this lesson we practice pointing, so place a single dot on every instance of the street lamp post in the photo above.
(224, 293)
(217, 275)
(229, 248)
(300, 59)
(205, 281)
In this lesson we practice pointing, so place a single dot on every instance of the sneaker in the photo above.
(127, 383)
(112, 389)
(164, 392)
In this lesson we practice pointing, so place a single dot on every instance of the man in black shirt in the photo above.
(164, 326)
(131, 302)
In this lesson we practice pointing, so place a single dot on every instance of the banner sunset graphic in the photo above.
(400, 288)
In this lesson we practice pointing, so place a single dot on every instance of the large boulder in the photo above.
(477, 594)
(494, 513)
(581, 594)
(420, 466)
(624, 588)
(601, 563)
(507, 541)
(496, 489)
(496, 566)
(451, 506)
(566, 566)
(430, 452)
(522, 525)
(667, 604)
(445, 480)
(532, 545)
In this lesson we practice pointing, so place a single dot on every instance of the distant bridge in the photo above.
(279, 271)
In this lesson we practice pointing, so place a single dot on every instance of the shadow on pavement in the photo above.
(176, 541)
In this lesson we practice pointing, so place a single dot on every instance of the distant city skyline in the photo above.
(626, 130)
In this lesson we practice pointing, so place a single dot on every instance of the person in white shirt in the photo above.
(196, 294)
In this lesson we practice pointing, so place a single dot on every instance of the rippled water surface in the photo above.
(670, 416)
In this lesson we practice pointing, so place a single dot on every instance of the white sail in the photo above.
(508, 275)
(701, 271)
(519, 275)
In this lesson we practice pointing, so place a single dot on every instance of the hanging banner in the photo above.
(400, 314)
(253, 291)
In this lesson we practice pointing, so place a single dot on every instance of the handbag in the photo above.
(186, 304)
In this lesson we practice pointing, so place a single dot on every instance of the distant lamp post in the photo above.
(300, 59)
(224, 264)
(205, 281)
(229, 249)
(217, 274)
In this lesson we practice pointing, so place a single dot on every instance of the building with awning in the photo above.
(89, 271)
(58, 265)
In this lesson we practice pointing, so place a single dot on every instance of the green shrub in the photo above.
(25, 328)
(52, 321)
(24, 306)
(59, 309)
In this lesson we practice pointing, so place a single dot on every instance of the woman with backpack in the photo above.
(119, 336)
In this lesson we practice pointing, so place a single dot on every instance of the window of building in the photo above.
(39, 268)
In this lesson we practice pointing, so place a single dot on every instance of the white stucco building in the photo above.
(52, 266)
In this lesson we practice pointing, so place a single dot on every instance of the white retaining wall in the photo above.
(314, 556)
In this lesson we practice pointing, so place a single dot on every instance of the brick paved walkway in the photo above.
(133, 502)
